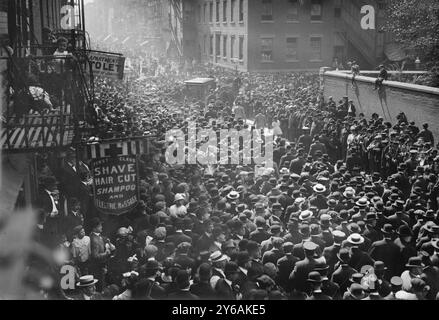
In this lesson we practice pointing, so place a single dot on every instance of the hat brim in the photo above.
(363, 295)
(79, 285)
(356, 243)
(220, 259)
(415, 265)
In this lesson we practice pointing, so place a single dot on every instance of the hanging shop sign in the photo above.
(115, 184)
(108, 65)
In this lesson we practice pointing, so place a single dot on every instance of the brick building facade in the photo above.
(274, 35)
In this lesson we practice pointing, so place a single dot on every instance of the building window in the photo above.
(293, 10)
(217, 8)
(316, 49)
(292, 46)
(205, 46)
(205, 13)
(199, 13)
(211, 12)
(225, 47)
(225, 10)
(241, 48)
(267, 49)
(218, 45)
(211, 45)
(267, 10)
(232, 47)
(316, 10)
(337, 12)
(241, 10)
(232, 10)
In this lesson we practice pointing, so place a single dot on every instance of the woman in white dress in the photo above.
(277, 131)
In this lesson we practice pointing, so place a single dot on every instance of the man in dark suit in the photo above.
(100, 253)
(343, 271)
(358, 258)
(151, 271)
(330, 253)
(178, 237)
(315, 280)
(182, 258)
(188, 229)
(206, 239)
(183, 285)
(329, 288)
(406, 247)
(73, 219)
(226, 288)
(260, 234)
(371, 232)
(243, 261)
(286, 265)
(254, 251)
(386, 251)
(49, 211)
(202, 288)
(299, 276)
(306, 237)
(275, 253)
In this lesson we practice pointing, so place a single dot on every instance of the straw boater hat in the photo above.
(319, 188)
(217, 256)
(355, 239)
(86, 281)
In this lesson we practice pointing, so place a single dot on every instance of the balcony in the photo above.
(47, 100)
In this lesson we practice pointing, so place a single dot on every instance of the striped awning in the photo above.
(53, 130)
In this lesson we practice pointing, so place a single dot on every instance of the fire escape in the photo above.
(49, 98)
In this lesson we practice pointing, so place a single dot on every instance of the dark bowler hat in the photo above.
(357, 292)
(404, 231)
(371, 216)
(379, 266)
(321, 266)
(414, 262)
(387, 229)
(356, 277)
(343, 255)
(315, 277)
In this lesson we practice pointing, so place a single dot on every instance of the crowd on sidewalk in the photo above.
(349, 210)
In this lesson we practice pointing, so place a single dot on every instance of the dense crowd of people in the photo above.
(349, 210)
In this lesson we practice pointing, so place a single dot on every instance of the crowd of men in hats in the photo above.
(349, 211)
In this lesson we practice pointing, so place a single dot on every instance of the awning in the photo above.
(53, 132)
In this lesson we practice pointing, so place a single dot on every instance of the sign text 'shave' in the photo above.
(115, 184)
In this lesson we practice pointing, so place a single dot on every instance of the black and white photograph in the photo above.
(231, 152)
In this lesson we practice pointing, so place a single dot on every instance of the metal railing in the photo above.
(56, 88)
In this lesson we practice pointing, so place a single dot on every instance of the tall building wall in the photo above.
(290, 36)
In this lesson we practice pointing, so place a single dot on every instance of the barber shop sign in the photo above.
(115, 175)
(115, 184)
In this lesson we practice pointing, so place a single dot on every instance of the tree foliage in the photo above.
(415, 24)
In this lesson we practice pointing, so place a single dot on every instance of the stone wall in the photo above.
(419, 103)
